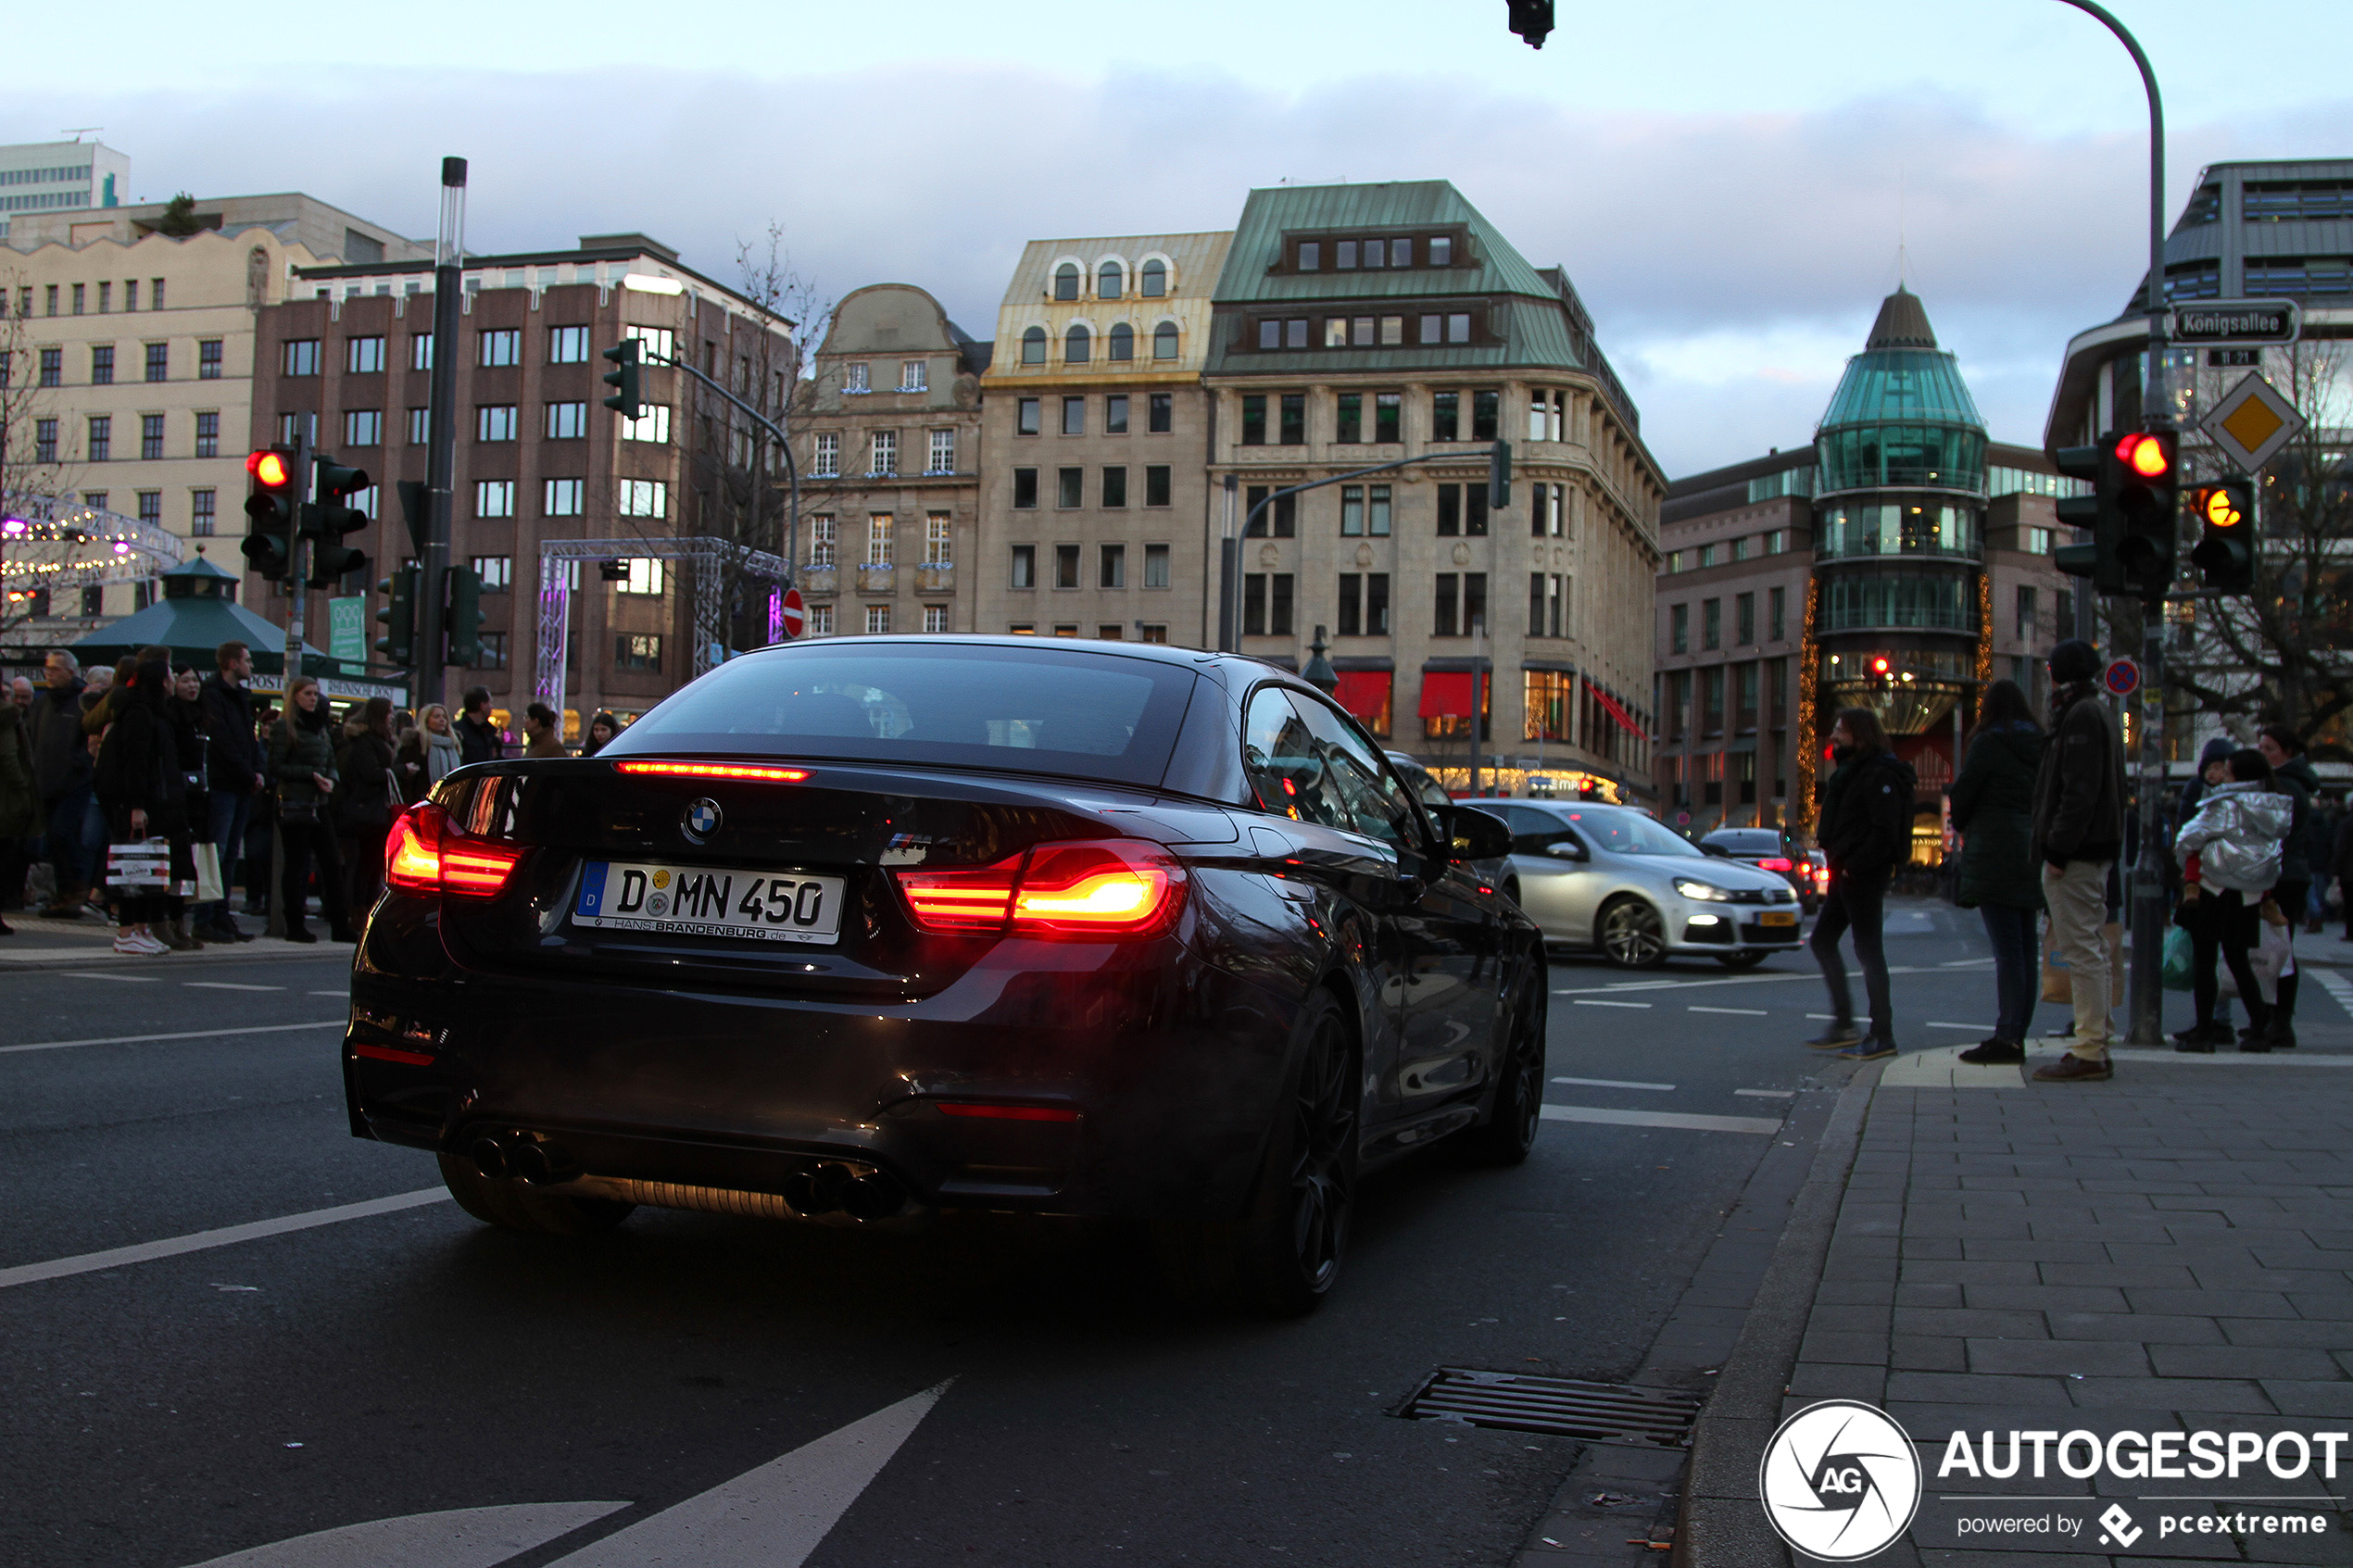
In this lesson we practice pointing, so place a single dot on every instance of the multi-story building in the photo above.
(539, 458)
(890, 469)
(1362, 324)
(58, 178)
(139, 347)
(1898, 563)
(1095, 499)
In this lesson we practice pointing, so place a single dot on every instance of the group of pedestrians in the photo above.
(2044, 817)
(137, 785)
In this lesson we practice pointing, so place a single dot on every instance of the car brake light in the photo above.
(1006, 1113)
(425, 855)
(1772, 864)
(716, 771)
(1108, 888)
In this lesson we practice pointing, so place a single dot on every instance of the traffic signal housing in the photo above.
(1531, 19)
(461, 614)
(2224, 554)
(399, 645)
(329, 519)
(1499, 476)
(625, 379)
(272, 510)
(2148, 505)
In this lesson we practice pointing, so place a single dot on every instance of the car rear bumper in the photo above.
(1147, 1077)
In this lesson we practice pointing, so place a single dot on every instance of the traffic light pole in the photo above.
(776, 430)
(305, 434)
(441, 436)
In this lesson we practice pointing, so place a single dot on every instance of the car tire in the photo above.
(1630, 934)
(1283, 1256)
(512, 1205)
(1747, 958)
(1509, 1132)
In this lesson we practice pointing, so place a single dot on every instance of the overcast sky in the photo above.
(1725, 183)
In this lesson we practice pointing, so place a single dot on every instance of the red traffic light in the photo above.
(268, 466)
(1879, 667)
(2144, 455)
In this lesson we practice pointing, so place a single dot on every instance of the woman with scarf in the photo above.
(1866, 831)
(302, 764)
(427, 753)
(137, 783)
(2231, 855)
(1994, 811)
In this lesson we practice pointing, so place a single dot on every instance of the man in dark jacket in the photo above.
(2078, 832)
(237, 778)
(61, 765)
(2299, 858)
(477, 742)
(1866, 829)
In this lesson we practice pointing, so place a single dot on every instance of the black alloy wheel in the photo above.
(1633, 934)
(1509, 1132)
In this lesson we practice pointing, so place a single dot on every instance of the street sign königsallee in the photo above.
(2237, 321)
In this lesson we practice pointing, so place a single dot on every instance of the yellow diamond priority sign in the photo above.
(2251, 422)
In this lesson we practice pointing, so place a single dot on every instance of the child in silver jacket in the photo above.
(2231, 855)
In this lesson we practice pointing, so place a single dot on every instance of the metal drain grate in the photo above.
(1597, 1413)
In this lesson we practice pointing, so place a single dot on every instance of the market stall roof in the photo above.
(196, 615)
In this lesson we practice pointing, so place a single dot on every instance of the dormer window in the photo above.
(1066, 280)
(853, 377)
(1311, 257)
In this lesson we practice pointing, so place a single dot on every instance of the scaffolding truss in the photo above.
(708, 558)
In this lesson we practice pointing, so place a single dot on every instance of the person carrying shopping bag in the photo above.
(1993, 811)
(138, 783)
(2231, 855)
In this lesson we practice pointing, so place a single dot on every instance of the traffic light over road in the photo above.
(399, 645)
(628, 396)
(1531, 19)
(2225, 555)
(330, 518)
(2148, 503)
(271, 510)
(461, 614)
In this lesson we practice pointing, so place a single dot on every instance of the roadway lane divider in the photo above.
(1614, 1083)
(1684, 1120)
(1742, 1012)
(227, 1235)
(183, 1035)
(1597, 1002)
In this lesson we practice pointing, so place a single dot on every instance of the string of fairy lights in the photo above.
(47, 543)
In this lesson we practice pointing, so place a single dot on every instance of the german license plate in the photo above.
(1777, 917)
(710, 901)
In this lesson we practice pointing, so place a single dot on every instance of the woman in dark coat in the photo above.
(1865, 832)
(189, 746)
(366, 800)
(602, 730)
(1994, 811)
(137, 781)
(302, 764)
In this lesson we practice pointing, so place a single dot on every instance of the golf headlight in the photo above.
(1706, 891)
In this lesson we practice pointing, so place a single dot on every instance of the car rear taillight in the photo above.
(1108, 888)
(424, 854)
(1773, 863)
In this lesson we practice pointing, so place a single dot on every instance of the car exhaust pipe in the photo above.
(874, 1196)
(829, 1188)
(489, 1157)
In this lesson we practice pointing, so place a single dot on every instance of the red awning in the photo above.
(1446, 694)
(1365, 693)
(1610, 705)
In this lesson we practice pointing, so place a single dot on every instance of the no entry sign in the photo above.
(792, 616)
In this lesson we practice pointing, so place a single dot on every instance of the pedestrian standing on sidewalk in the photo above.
(1866, 829)
(2235, 839)
(1994, 811)
(540, 723)
(2341, 862)
(2300, 853)
(19, 803)
(2198, 915)
(2079, 831)
(302, 759)
(61, 773)
(367, 801)
(602, 731)
(137, 782)
(234, 750)
(192, 766)
(477, 742)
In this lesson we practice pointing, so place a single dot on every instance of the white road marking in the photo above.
(1963, 963)
(1932, 1024)
(226, 986)
(1612, 1084)
(1767, 1094)
(1686, 1121)
(1597, 1002)
(774, 1516)
(133, 979)
(1743, 1012)
(1682, 984)
(463, 1538)
(345, 992)
(227, 1235)
(184, 1035)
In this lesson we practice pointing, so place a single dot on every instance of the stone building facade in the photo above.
(890, 468)
(1095, 496)
(1357, 325)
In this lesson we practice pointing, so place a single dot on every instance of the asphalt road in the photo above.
(166, 1411)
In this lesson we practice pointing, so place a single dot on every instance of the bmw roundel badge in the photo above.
(702, 819)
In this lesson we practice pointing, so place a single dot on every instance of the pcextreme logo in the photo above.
(1839, 1481)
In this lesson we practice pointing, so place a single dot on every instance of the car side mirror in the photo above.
(1474, 834)
(1566, 851)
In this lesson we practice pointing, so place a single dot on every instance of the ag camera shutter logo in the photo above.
(1839, 1481)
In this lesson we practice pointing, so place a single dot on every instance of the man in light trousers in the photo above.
(2078, 832)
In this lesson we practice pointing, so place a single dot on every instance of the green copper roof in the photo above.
(1273, 212)
(1902, 377)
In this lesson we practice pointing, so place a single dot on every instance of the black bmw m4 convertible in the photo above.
(872, 929)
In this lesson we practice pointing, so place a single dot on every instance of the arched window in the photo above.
(1033, 346)
(1074, 345)
(1107, 281)
(1164, 341)
(1122, 342)
(1155, 280)
(1066, 280)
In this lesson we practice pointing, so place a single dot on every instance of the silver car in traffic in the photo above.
(1618, 882)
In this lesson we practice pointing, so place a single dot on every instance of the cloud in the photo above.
(1732, 260)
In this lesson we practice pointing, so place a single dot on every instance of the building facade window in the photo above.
(101, 439)
(364, 427)
(158, 361)
(1033, 346)
(935, 619)
(419, 426)
(497, 572)
(202, 512)
(1678, 627)
(884, 455)
(150, 438)
(1023, 573)
(1076, 344)
(495, 421)
(494, 497)
(1776, 613)
(363, 355)
(825, 461)
(560, 497)
(1711, 625)
(642, 497)
(1157, 485)
(879, 530)
(1743, 620)
(936, 540)
(1074, 416)
(821, 540)
(302, 357)
(1114, 483)
(637, 653)
(1162, 416)
(653, 426)
(1120, 344)
(208, 359)
(1155, 565)
(942, 457)
(1065, 566)
(877, 620)
(567, 421)
(1070, 487)
(567, 346)
(1111, 567)
(501, 347)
